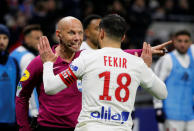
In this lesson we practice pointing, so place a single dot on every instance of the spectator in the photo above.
(139, 19)
(88, 8)
(4, 9)
(9, 76)
(44, 13)
(117, 7)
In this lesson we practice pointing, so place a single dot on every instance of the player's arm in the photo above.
(24, 91)
(56, 83)
(156, 50)
(52, 83)
(161, 49)
(148, 79)
(152, 83)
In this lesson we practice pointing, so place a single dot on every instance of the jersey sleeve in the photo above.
(132, 51)
(55, 83)
(152, 83)
(24, 90)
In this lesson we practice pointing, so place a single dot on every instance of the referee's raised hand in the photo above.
(45, 50)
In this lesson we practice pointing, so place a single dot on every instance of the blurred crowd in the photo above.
(139, 15)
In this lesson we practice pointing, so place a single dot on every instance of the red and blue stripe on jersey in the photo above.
(68, 77)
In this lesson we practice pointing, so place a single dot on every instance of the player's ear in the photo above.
(58, 33)
(100, 37)
(86, 32)
(102, 33)
(123, 38)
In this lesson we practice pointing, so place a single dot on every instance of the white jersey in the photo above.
(110, 78)
(85, 46)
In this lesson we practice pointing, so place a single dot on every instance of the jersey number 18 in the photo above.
(121, 86)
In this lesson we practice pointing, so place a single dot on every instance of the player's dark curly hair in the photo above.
(114, 25)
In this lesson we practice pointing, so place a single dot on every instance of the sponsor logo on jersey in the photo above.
(108, 115)
(79, 85)
(25, 76)
(74, 68)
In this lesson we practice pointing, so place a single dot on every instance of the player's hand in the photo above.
(146, 54)
(45, 50)
(161, 49)
(160, 116)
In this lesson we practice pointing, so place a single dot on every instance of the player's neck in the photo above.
(91, 44)
(64, 53)
(110, 43)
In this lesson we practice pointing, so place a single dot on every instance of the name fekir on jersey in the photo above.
(110, 78)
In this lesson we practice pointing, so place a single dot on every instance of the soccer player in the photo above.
(91, 24)
(177, 70)
(110, 78)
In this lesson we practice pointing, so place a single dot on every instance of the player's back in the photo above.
(109, 85)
